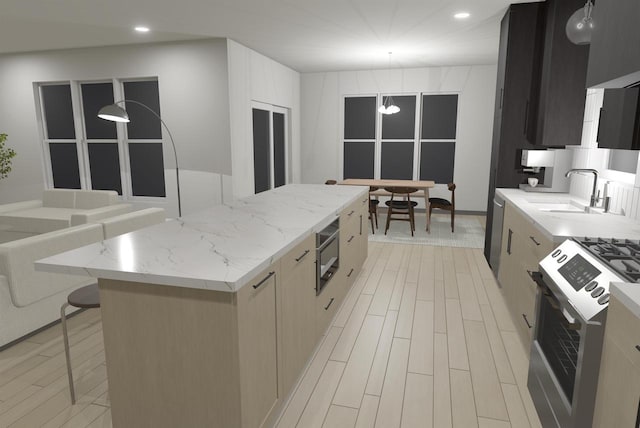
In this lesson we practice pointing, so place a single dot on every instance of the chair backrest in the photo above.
(331, 182)
(452, 188)
(401, 191)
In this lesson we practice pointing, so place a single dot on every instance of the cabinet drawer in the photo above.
(623, 328)
(302, 254)
(354, 209)
(535, 239)
(327, 303)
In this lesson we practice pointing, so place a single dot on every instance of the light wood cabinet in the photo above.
(618, 397)
(209, 357)
(523, 247)
(297, 302)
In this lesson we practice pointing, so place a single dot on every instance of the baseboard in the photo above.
(41, 329)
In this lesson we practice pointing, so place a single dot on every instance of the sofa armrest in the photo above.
(96, 214)
(17, 206)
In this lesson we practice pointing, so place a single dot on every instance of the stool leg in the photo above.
(65, 338)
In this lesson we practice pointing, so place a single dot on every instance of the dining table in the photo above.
(423, 185)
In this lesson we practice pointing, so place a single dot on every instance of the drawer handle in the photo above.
(351, 272)
(302, 256)
(326, 308)
(534, 240)
(351, 213)
(526, 320)
(265, 279)
(350, 239)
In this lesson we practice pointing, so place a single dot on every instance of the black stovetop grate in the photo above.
(621, 255)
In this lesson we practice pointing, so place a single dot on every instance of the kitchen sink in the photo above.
(562, 206)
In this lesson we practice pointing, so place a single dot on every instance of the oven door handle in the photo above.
(329, 240)
(571, 322)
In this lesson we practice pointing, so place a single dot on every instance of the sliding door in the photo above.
(270, 146)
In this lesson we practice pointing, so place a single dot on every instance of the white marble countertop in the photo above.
(628, 294)
(221, 248)
(559, 226)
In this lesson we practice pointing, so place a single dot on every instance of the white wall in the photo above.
(194, 103)
(322, 112)
(254, 77)
(623, 188)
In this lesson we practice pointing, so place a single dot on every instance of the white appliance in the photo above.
(556, 162)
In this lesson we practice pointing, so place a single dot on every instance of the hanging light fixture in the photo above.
(580, 25)
(388, 106)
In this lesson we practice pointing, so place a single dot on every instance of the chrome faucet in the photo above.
(594, 197)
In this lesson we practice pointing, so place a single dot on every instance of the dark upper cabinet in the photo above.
(559, 93)
(518, 57)
(614, 59)
(619, 126)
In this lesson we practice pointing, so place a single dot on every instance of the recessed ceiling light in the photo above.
(462, 15)
(141, 29)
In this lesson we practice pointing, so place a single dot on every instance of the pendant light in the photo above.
(580, 25)
(389, 107)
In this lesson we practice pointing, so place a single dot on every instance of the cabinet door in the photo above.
(258, 348)
(298, 327)
(618, 399)
(617, 128)
(613, 57)
(562, 76)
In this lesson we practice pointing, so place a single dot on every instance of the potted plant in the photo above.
(6, 154)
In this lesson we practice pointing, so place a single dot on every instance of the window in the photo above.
(359, 137)
(84, 151)
(416, 143)
(270, 147)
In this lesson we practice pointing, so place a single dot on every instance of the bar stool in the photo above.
(85, 297)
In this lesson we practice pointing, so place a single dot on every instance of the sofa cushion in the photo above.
(18, 206)
(27, 286)
(96, 214)
(129, 222)
(90, 199)
(59, 198)
(38, 220)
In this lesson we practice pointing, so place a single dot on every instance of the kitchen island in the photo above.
(210, 319)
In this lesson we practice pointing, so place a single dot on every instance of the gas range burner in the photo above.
(622, 255)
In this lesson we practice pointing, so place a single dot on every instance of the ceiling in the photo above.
(306, 35)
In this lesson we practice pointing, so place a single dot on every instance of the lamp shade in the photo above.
(580, 25)
(113, 113)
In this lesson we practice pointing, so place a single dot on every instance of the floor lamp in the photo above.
(115, 113)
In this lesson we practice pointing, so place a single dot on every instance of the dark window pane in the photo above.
(437, 161)
(64, 164)
(439, 117)
(147, 169)
(401, 125)
(360, 118)
(278, 150)
(94, 97)
(261, 155)
(358, 160)
(144, 125)
(105, 167)
(58, 112)
(397, 161)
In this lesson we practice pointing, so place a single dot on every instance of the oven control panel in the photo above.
(582, 278)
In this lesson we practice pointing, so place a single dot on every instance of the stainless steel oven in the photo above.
(573, 294)
(327, 254)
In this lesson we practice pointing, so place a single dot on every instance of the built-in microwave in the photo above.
(327, 254)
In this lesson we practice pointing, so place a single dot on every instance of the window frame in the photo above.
(82, 141)
(417, 140)
(271, 108)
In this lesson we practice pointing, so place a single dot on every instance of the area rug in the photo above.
(469, 233)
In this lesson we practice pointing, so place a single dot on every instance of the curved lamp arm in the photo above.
(116, 116)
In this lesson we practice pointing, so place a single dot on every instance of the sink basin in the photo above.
(562, 208)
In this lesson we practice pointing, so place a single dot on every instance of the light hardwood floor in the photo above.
(423, 339)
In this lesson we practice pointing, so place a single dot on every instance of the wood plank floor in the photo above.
(423, 339)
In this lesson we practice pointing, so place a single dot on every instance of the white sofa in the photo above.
(29, 299)
(58, 209)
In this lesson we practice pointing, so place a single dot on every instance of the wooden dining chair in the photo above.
(373, 209)
(443, 204)
(403, 207)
